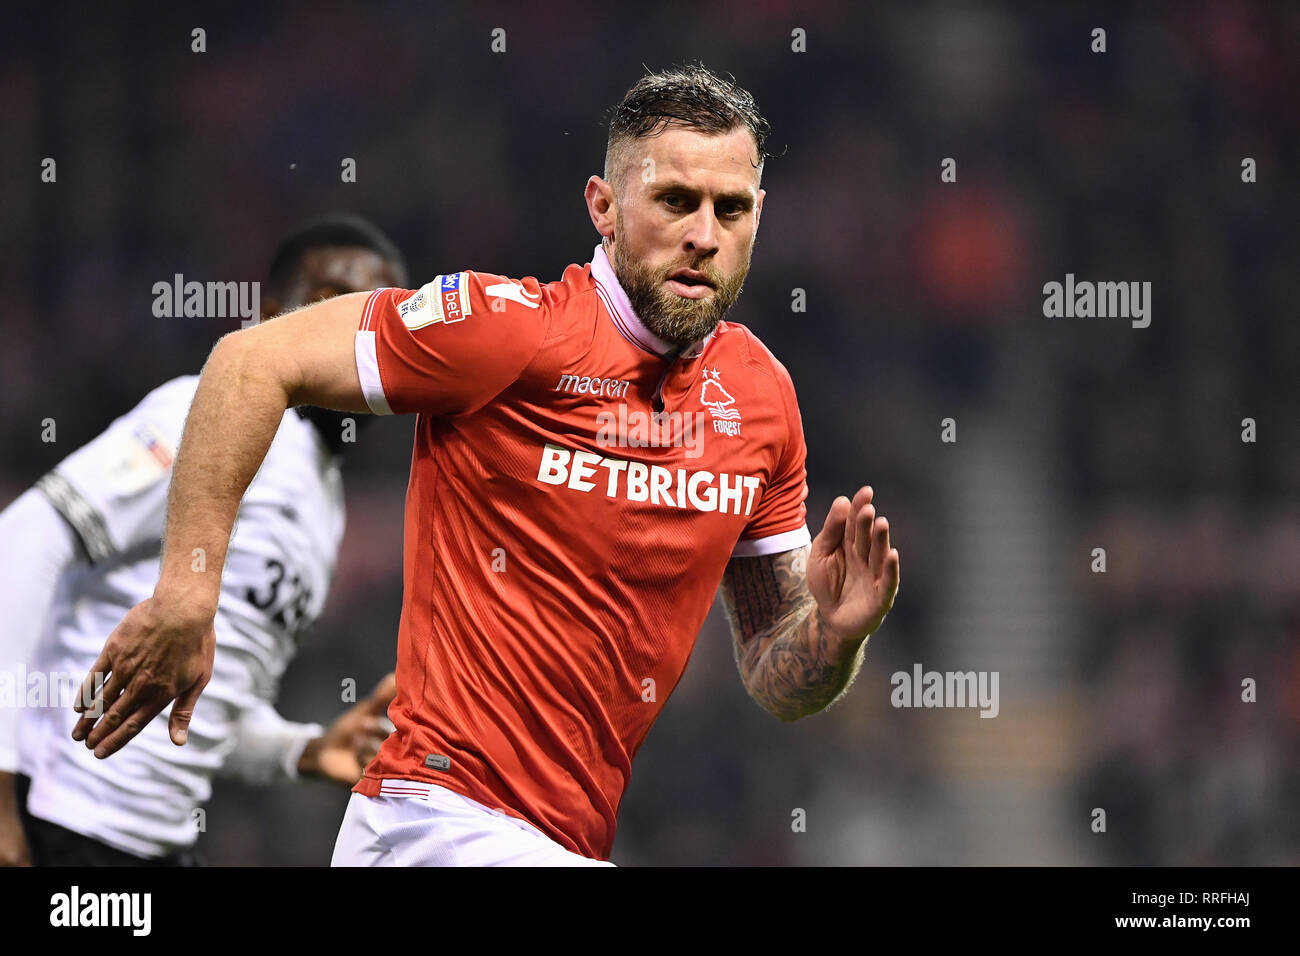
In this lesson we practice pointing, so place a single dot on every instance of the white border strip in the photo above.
(368, 371)
(772, 544)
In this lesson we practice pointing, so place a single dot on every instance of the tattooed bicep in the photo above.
(759, 594)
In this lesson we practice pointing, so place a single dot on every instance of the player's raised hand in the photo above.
(351, 742)
(158, 654)
(852, 571)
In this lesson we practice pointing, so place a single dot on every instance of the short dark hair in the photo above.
(330, 231)
(691, 95)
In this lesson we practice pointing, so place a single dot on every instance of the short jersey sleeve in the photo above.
(451, 346)
(780, 519)
(113, 490)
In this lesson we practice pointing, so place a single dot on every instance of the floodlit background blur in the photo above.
(1120, 691)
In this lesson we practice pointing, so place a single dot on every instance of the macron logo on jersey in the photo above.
(637, 481)
(445, 299)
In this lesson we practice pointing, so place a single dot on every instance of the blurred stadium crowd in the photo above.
(1120, 690)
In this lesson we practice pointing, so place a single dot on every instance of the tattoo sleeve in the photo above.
(786, 657)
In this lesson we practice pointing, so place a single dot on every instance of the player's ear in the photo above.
(600, 205)
(758, 208)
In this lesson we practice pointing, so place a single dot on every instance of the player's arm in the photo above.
(800, 619)
(36, 546)
(341, 753)
(269, 749)
(163, 649)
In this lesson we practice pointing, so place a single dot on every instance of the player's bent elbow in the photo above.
(315, 347)
(308, 353)
(785, 715)
(785, 711)
(239, 356)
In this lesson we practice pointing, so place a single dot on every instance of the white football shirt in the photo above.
(278, 571)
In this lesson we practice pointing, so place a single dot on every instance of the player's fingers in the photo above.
(892, 578)
(879, 544)
(108, 693)
(115, 713)
(376, 727)
(367, 747)
(178, 726)
(832, 532)
(382, 695)
(861, 498)
(90, 703)
(91, 683)
(127, 726)
(850, 528)
(861, 534)
(83, 727)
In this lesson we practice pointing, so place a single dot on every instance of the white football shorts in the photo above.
(421, 824)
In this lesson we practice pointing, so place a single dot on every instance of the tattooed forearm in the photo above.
(790, 663)
(799, 673)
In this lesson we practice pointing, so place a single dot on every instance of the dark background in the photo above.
(1120, 691)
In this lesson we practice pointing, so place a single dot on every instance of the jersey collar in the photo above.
(627, 321)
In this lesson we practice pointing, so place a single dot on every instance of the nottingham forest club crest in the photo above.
(726, 419)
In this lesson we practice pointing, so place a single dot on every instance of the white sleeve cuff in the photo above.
(303, 735)
(267, 747)
(368, 372)
(772, 544)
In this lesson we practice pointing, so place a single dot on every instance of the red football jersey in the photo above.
(564, 537)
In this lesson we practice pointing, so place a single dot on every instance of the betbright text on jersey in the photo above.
(576, 491)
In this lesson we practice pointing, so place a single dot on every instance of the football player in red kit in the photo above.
(594, 457)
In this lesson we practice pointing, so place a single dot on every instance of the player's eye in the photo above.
(674, 201)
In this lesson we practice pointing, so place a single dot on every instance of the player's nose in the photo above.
(701, 238)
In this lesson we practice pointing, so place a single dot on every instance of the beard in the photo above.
(672, 317)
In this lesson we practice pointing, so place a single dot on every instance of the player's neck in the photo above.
(630, 323)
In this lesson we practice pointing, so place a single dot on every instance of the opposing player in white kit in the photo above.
(82, 547)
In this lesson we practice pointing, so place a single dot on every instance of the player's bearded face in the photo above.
(672, 317)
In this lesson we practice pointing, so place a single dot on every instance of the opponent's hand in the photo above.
(158, 654)
(351, 742)
(852, 571)
(13, 841)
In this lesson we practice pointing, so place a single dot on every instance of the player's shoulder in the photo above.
(574, 289)
(567, 306)
(741, 342)
(472, 294)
